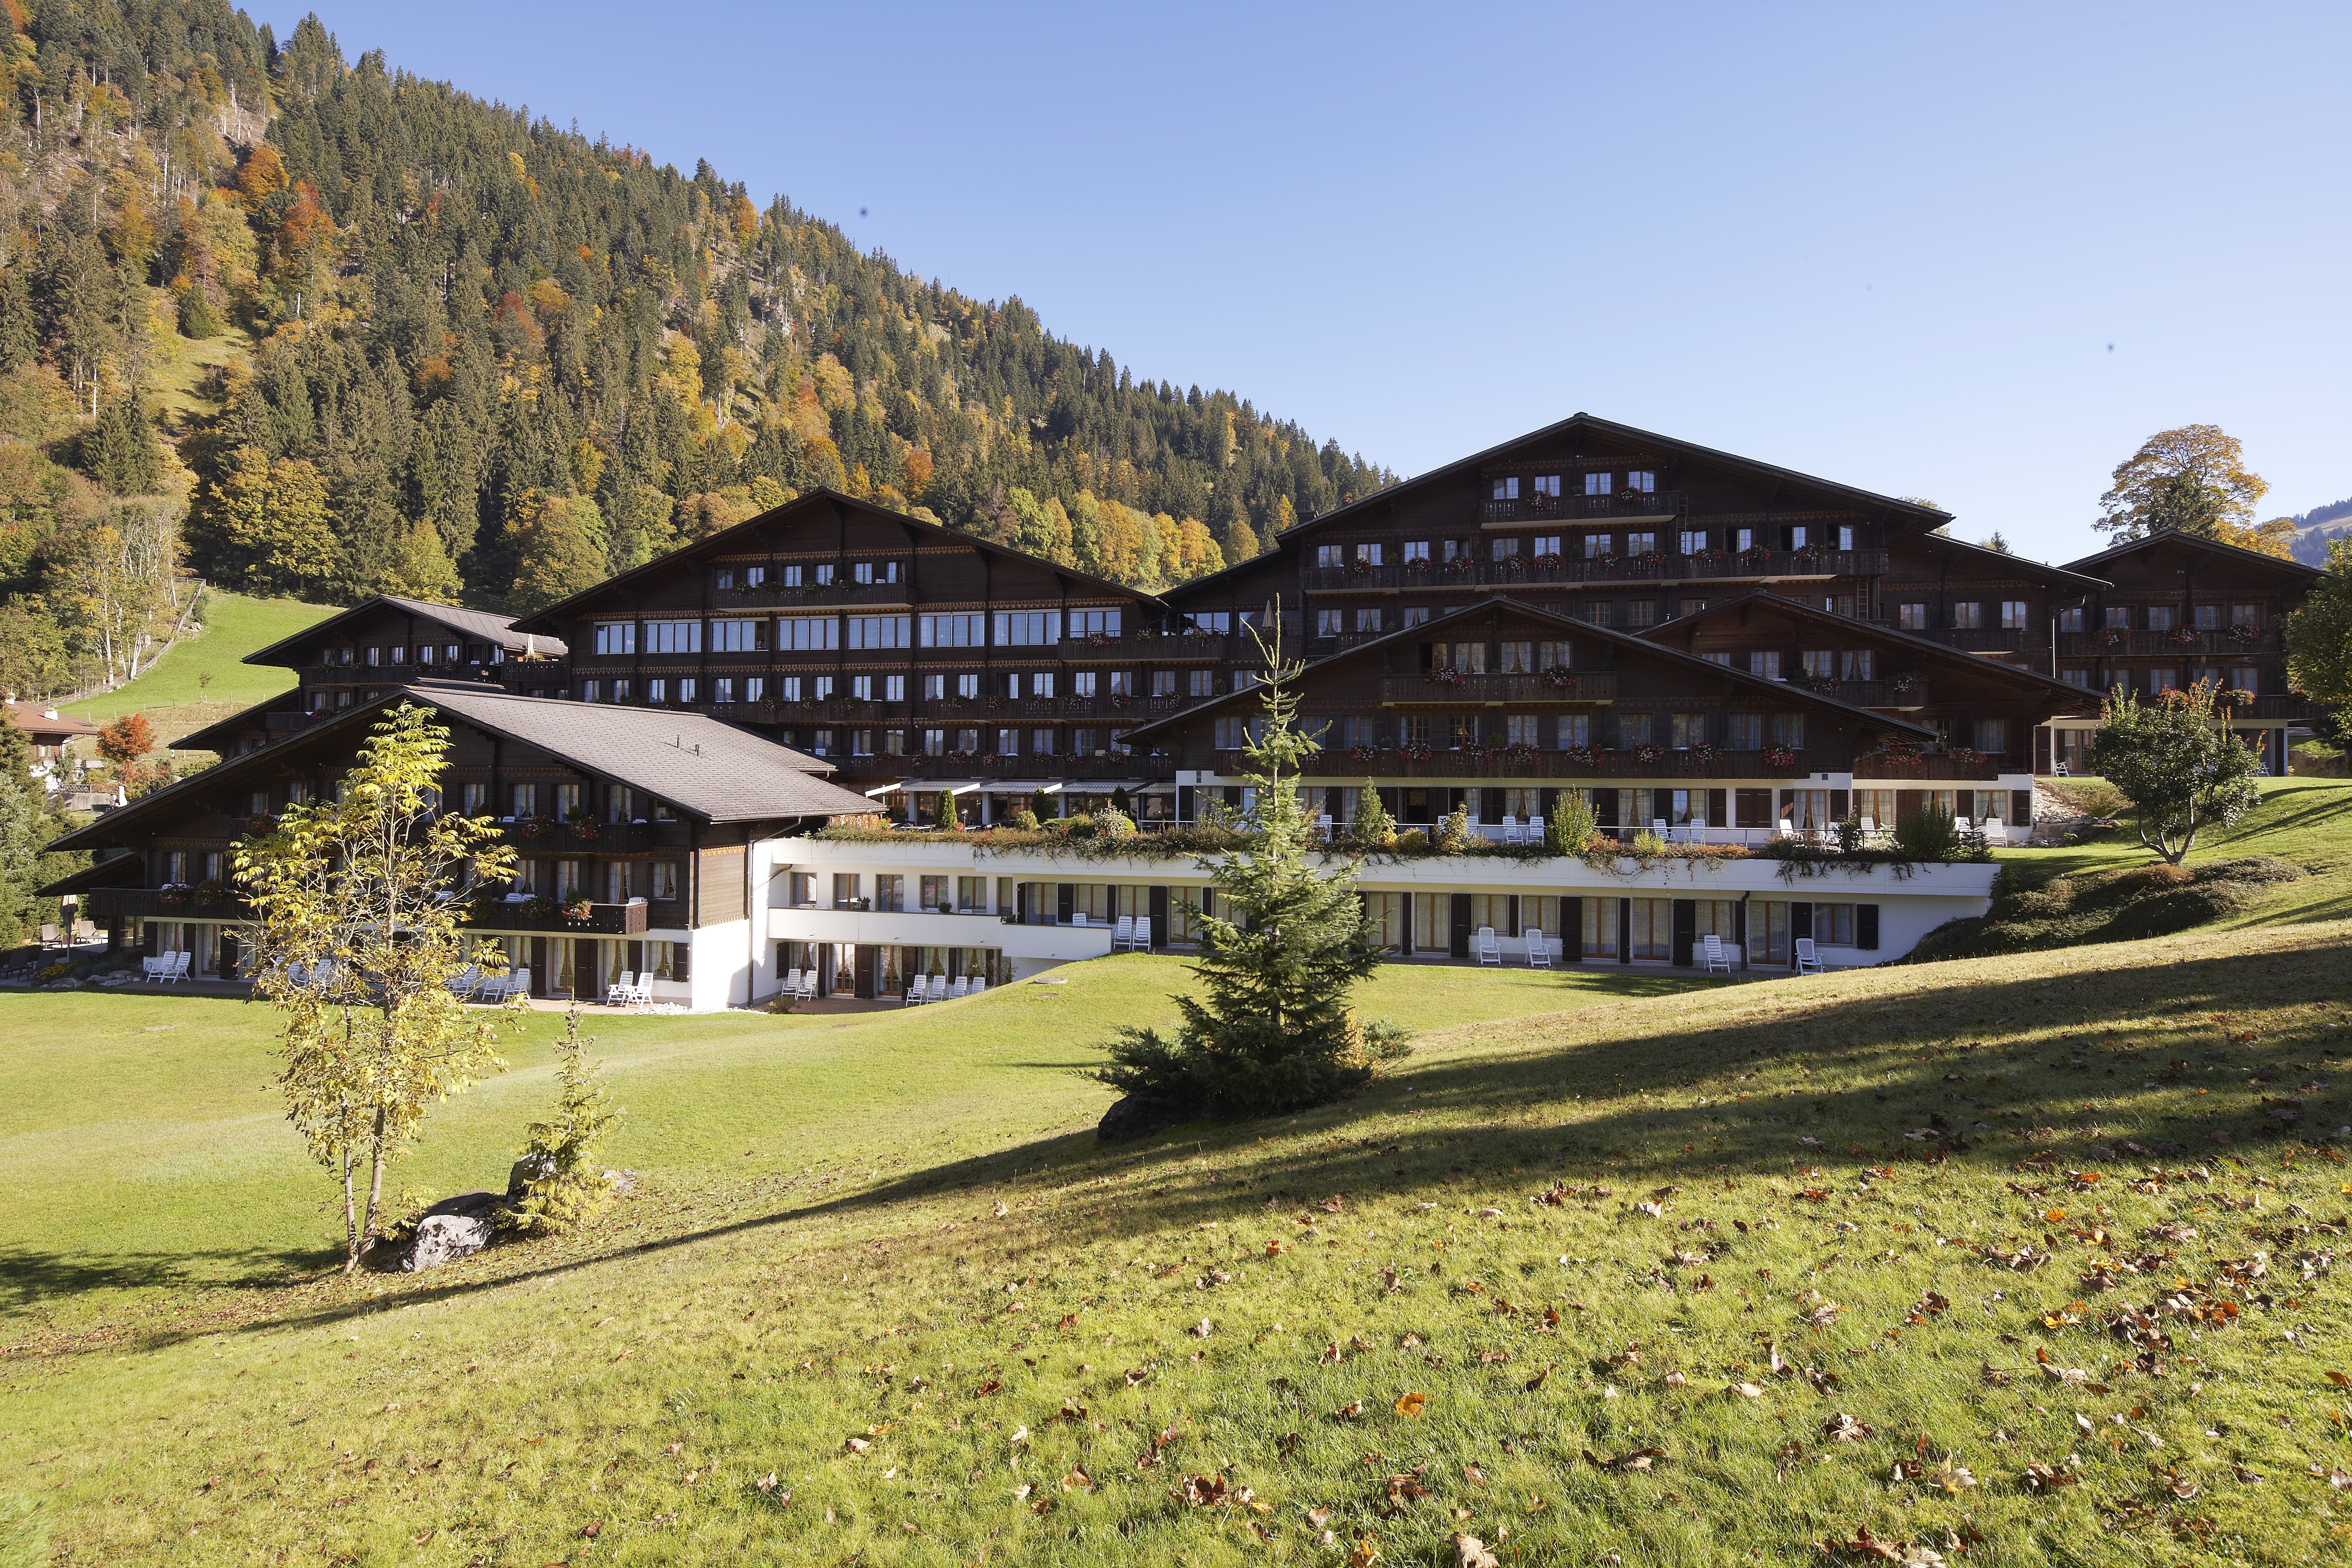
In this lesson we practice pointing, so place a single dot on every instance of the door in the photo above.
(1065, 904)
(1624, 930)
(1461, 911)
(1685, 931)
(1159, 919)
(864, 969)
(1800, 923)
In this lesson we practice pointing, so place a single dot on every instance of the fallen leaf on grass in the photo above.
(1843, 1428)
(1639, 1460)
(1350, 1411)
(1469, 1552)
(2042, 1477)
(1411, 1405)
(1746, 1391)
(857, 1444)
(591, 1530)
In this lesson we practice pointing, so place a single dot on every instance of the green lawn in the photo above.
(174, 694)
(881, 1261)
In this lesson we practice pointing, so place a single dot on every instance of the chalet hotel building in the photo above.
(1691, 639)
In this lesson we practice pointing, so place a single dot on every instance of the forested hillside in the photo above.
(398, 338)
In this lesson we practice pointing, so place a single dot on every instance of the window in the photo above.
(871, 572)
(1596, 545)
(808, 634)
(1689, 730)
(1328, 622)
(1028, 628)
(1634, 729)
(425, 653)
(1744, 732)
(935, 742)
(792, 577)
(1095, 622)
(1233, 734)
(1766, 664)
(2076, 677)
(1641, 613)
(1819, 663)
(591, 691)
(1163, 683)
(861, 686)
(1329, 556)
(399, 654)
(1516, 657)
(879, 631)
(1041, 684)
(1469, 658)
(894, 743)
(1367, 621)
(1993, 736)
(1691, 541)
(820, 743)
(1202, 682)
(820, 688)
(1369, 552)
(1008, 742)
(2118, 617)
(1800, 536)
(1845, 537)
(2206, 617)
(1912, 617)
(951, 631)
(2245, 615)
(1523, 730)
(1122, 682)
(722, 690)
(1214, 622)
(525, 800)
(1360, 730)
(685, 689)
(739, 636)
(620, 690)
(2071, 619)
(673, 636)
(1596, 484)
(2160, 617)
(1455, 549)
(1858, 664)
(2246, 678)
(1641, 479)
(1506, 489)
(1413, 729)
(967, 685)
(1504, 549)
(824, 574)
(1547, 544)
(1082, 683)
(861, 742)
(2012, 615)
(1789, 729)
(1416, 550)
(1041, 743)
(1545, 485)
(1966, 616)
(1414, 616)
(1596, 611)
(375, 656)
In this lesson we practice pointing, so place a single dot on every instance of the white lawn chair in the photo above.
(1323, 826)
(1489, 949)
(468, 978)
(807, 992)
(1869, 829)
(622, 992)
(1808, 961)
(1659, 826)
(915, 997)
(1078, 918)
(152, 968)
(2058, 770)
(1510, 830)
(1538, 950)
(792, 986)
(179, 970)
(1122, 933)
(962, 984)
(1717, 961)
(518, 984)
(978, 984)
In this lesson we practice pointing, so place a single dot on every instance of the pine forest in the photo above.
(295, 325)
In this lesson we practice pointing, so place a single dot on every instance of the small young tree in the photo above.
(1041, 805)
(2179, 765)
(1272, 1030)
(564, 1188)
(359, 904)
(1373, 830)
(943, 814)
(1571, 825)
(127, 740)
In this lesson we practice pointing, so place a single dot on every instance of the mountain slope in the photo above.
(490, 357)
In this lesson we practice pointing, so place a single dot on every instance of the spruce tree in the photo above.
(562, 1187)
(1271, 1030)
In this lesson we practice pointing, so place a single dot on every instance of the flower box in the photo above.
(1778, 756)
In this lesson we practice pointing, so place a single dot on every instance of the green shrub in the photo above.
(1454, 832)
(1373, 830)
(563, 1187)
(2107, 906)
(1571, 825)
(1025, 820)
(1926, 836)
(1412, 841)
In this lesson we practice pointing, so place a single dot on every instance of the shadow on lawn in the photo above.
(1892, 1083)
(29, 1277)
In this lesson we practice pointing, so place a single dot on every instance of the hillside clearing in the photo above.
(173, 694)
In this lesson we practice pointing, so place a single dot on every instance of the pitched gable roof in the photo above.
(791, 511)
(706, 768)
(476, 624)
(2171, 536)
(1625, 640)
(2020, 565)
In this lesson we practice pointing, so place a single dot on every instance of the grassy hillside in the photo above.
(882, 1297)
(174, 694)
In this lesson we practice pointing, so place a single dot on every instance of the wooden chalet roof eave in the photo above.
(373, 601)
(1461, 467)
(196, 739)
(1956, 656)
(2228, 551)
(2053, 575)
(231, 769)
(122, 870)
(1696, 665)
(580, 604)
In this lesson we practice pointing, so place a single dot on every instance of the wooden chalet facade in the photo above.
(2175, 609)
(649, 818)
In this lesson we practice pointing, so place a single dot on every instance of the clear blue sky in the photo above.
(1971, 253)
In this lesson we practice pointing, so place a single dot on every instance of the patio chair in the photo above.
(518, 984)
(1078, 918)
(179, 969)
(2058, 770)
(1869, 829)
(1717, 961)
(1323, 826)
(152, 968)
(1808, 961)
(85, 931)
(962, 984)
(807, 992)
(1123, 933)
(1538, 950)
(621, 992)
(467, 979)
(1659, 826)
(49, 937)
(1489, 949)
(978, 984)
(1509, 832)
(792, 986)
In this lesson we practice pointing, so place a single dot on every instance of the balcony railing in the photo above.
(1122, 768)
(2284, 706)
(602, 920)
(1711, 566)
(1912, 693)
(2177, 643)
(1387, 761)
(530, 674)
(102, 906)
(771, 596)
(542, 836)
(1584, 686)
(1535, 511)
(1972, 639)
(287, 724)
(1878, 765)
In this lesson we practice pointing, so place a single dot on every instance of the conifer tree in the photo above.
(563, 1189)
(1271, 1030)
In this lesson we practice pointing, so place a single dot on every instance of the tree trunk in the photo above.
(375, 1189)
(351, 1218)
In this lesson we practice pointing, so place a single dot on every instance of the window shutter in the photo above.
(681, 956)
(1866, 927)
(2021, 807)
(1715, 809)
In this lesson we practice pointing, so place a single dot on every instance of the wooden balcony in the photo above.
(586, 838)
(2177, 643)
(1387, 762)
(1114, 767)
(104, 906)
(1879, 768)
(1534, 512)
(1973, 640)
(1524, 571)
(1495, 690)
(1889, 695)
(771, 596)
(603, 920)
(2284, 707)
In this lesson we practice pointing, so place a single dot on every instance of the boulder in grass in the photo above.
(453, 1228)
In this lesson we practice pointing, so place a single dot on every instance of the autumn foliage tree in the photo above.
(2192, 479)
(126, 740)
